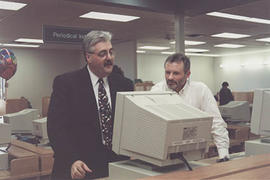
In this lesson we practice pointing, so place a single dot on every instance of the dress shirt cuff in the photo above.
(223, 153)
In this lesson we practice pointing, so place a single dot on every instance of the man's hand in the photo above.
(79, 169)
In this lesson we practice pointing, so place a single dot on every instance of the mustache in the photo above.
(108, 63)
(171, 81)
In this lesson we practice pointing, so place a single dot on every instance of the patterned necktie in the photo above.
(105, 115)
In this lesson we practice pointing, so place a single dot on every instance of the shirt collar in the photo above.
(185, 87)
(94, 78)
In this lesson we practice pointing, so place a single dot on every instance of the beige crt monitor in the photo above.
(21, 122)
(260, 120)
(152, 126)
(235, 111)
(40, 128)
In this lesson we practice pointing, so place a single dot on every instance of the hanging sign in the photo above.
(58, 34)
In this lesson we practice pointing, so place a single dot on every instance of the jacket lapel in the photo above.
(112, 91)
(88, 95)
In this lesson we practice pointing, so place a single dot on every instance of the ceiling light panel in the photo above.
(259, 20)
(230, 35)
(11, 5)
(167, 52)
(109, 17)
(226, 15)
(27, 40)
(194, 42)
(20, 45)
(139, 51)
(191, 43)
(264, 39)
(191, 54)
(154, 47)
(198, 54)
(229, 45)
(196, 50)
(241, 18)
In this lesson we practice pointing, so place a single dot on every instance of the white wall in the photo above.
(126, 58)
(36, 70)
(243, 78)
(150, 68)
(202, 70)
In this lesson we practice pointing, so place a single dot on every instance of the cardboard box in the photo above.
(212, 151)
(22, 162)
(4, 175)
(27, 161)
(243, 96)
(45, 156)
(45, 105)
(253, 136)
(238, 132)
(145, 86)
(16, 105)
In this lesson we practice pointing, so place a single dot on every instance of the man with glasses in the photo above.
(81, 111)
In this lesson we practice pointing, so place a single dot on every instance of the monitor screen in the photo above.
(260, 120)
(153, 127)
(235, 111)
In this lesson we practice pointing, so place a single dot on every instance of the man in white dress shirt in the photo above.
(197, 94)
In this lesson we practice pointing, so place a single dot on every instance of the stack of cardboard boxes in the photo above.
(27, 161)
(238, 134)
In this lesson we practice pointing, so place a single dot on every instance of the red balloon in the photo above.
(8, 63)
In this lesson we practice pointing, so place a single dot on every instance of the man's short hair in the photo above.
(225, 84)
(94, 37)
(178, 57)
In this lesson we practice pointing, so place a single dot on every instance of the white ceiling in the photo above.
(153, 28)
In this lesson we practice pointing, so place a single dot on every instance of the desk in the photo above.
(254, 147)
(258, 173)
(244, 168)
(5, 175)
(133, 169)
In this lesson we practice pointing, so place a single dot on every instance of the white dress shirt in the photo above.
(199, 95)
(95, 84)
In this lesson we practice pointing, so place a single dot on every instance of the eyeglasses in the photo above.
(104, 53)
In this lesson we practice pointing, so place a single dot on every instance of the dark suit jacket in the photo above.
(73, 123)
